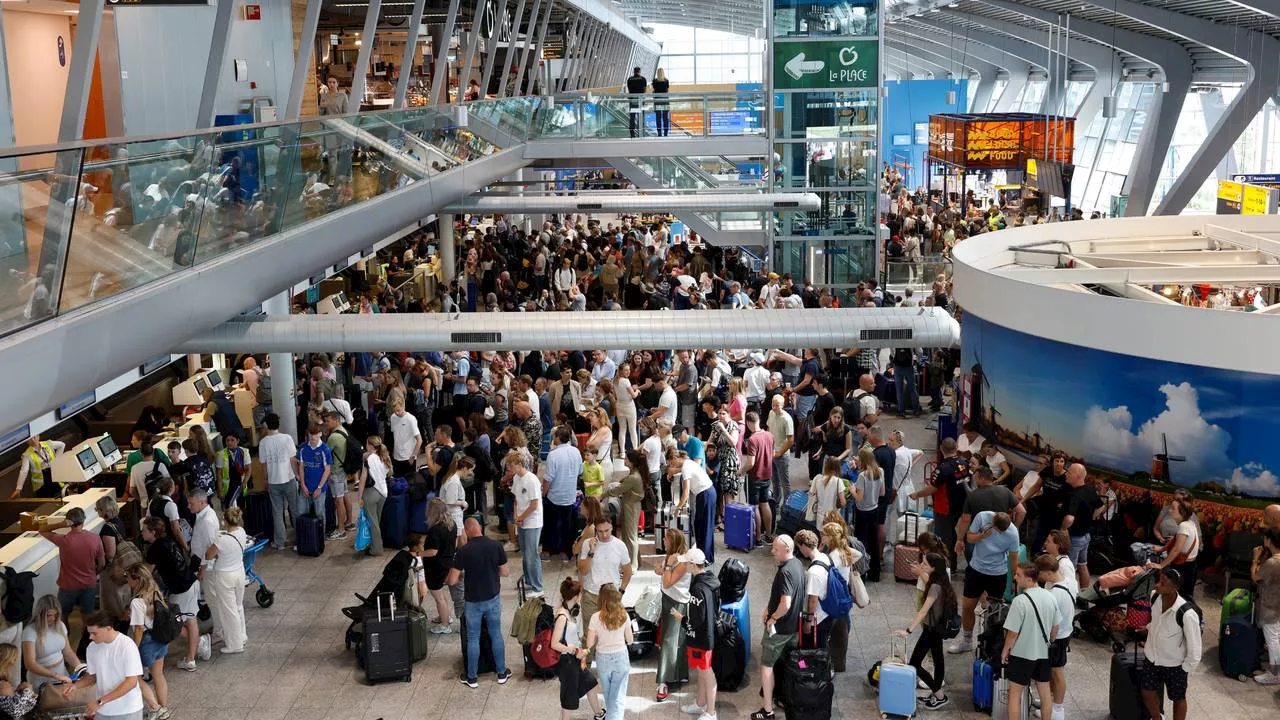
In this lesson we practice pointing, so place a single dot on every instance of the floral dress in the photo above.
(730, 461)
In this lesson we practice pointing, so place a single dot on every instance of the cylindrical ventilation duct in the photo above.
(1109, 106)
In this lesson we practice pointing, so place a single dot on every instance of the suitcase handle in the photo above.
(391, 605)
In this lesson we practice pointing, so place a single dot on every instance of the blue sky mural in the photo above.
(1116, 411)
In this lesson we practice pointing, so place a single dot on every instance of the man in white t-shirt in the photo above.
(406, 439)
(653, 451)
(815, 581)
(666, 409)
(603, 560)
(138, 473)
(1000, 469)
(527, 489)
(276, 452)
(116, 668)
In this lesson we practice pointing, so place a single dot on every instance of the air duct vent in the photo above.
(787, 204)
(873, 334)
(475, 338)
(590, 206)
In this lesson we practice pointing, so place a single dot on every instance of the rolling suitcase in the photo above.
(983, 685)
(486, 663)
(644, 636)
(741, 612)
(947, 427)
(807, 684)
(1000, 700)
(791, 514)
(385, 652)
(905, 559)
(310, 529)
(257, 515)
(330, 512)
(729, 659)
(666, 518)
(395, 521)
(419, 629)
(739, 526)
(897, 691)
(1239, 641)
(418, 517)
(1126, 700)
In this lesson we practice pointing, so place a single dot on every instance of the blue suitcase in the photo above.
(947, 427)
(310, 530)
(897, 689)
(739, 526)
(741, 611)
(395, 521)
(791, 515)
(984, 685)
(418, 516)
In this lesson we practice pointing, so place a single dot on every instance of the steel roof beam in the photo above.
(987, 70)
(939, 70)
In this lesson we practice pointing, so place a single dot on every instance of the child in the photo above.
(928, 543)
(592, 472)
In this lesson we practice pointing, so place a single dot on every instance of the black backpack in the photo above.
(729, 659)
(733, 581)
(352, 462)
(903, 357)
(895, 249)
(165, 627)
(19, 595)
(152, 478)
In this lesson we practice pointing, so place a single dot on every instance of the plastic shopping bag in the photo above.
(364, 531)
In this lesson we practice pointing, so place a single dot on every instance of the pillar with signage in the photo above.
(825, 78)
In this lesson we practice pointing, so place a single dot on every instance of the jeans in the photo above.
(373, 504)
(704, 522)
(283, 495)
(663, 121)
(307, 504)
(781, 479)
(805, 403)
(613, 670)
(530, 558)
(488, 612)
(904, 381)
(85, 598)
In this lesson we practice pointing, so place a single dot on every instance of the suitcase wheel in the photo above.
(265, 597)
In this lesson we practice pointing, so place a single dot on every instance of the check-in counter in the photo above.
(31, 552)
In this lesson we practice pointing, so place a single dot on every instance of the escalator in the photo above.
(730, 228)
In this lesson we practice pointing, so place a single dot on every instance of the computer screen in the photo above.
(201, 386)
(87, 458)
(341, 299)
(213, 378)
(107, 446)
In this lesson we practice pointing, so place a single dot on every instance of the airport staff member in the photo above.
(39, 458)
(221, 411)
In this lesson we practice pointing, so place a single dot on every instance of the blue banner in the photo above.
(731, 122)
(750, 171)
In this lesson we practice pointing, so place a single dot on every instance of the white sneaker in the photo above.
(1266, 678)
(204, 647)
(693, 709)
(960, 646)
(707, 716)
(510, 547)
(1059, 712)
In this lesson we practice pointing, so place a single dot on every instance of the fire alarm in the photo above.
(252, 12)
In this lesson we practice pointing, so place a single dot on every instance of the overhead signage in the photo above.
(1258, 200)
(997, 141)
(14, 438)
(1268, 179)
(825, 64)
(733, 122)
(75, 405)
(155, 363)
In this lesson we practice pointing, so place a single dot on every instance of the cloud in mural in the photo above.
(1254, 479)
(1109, 439)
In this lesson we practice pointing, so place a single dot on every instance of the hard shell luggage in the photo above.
(910, 525)
(1000, 700)
(947, 427)
(1239, 641)
(665, 518)
(791, 514)
(419, 630)
(741, 612)
(385, 652)
(983, 685)
(257, 515)
(418, 517)
(739, 526)
(807, 684)
(644, 636)
(1126, 699)
(905, 559)
(486, 663)
(395, 521)
(330, 512)
(897, 691)
(310, 529)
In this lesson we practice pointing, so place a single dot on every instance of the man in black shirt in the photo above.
(1081, 506)
(949, 493)
(806, 394)
(483, 562)
(636, 85)
(826, 400)
(987, 496)
(887, 459)
(1051, 493)
(781, 618)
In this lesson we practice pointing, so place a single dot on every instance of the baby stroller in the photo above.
(264, 596)
(1114, 613)
(395, 575)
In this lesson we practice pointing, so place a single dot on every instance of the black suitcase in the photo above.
(257, 514)
(486, 663)
(330, 512)
(1126, 698)
(310, 528)
(385, 652)
(644, 635)
(807, 685)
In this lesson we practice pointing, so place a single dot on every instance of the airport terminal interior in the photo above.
(370, 360)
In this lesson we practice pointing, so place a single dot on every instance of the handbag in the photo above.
(364, 531)
(51, 697)
(649, 606)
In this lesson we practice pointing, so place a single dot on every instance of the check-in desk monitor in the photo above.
(191, 391)
(333, 304)
(213, 379)
(108, 453)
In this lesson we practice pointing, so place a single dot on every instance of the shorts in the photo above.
(1058, 650)
(1079, 550)
(188, 602)
(1174, 679)
(1024, 672)
(699, 659)
(759, 492)
(337, 485)
(976, 584)
(150, 651)
(774, 647)
(435, 578)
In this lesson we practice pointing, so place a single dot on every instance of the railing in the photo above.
(626, 115)
(83, 221)
(917, 275)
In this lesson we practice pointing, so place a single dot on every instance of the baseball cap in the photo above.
(758, 357)
(697, 557)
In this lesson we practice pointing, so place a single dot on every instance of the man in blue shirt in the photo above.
(312, 465)
(690, 444)
(995, 556)
(559, 491)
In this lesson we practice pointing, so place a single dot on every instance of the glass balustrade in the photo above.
(85, 221)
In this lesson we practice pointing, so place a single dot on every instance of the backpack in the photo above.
(263, 393)
(838, 600)
(19, 595)
(352, 462)
(902, 357)
(151, 478)
(1188, 605)
(895, 249)
(540, 650)
(863, 566)
(165, 627)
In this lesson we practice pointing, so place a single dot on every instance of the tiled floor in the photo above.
(296, 666)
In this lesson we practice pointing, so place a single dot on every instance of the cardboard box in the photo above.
(28, 521)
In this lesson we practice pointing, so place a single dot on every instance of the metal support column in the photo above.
(982, 96)
(491, 47)
(84, 54)
(306, 46)
(359, 80)
(606, 68)
(410, 51)
(537, 76)
(582, 70)
(1012, 90)
(511, 48)
(531, 27)
(448, 248)
(1212, 105)
(217, 60)
(440, 76)
(283, 378)
(464, 76)
(575, 61)
(570, 45)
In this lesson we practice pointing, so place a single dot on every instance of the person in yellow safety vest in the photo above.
(37, 463)
(232, 464)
